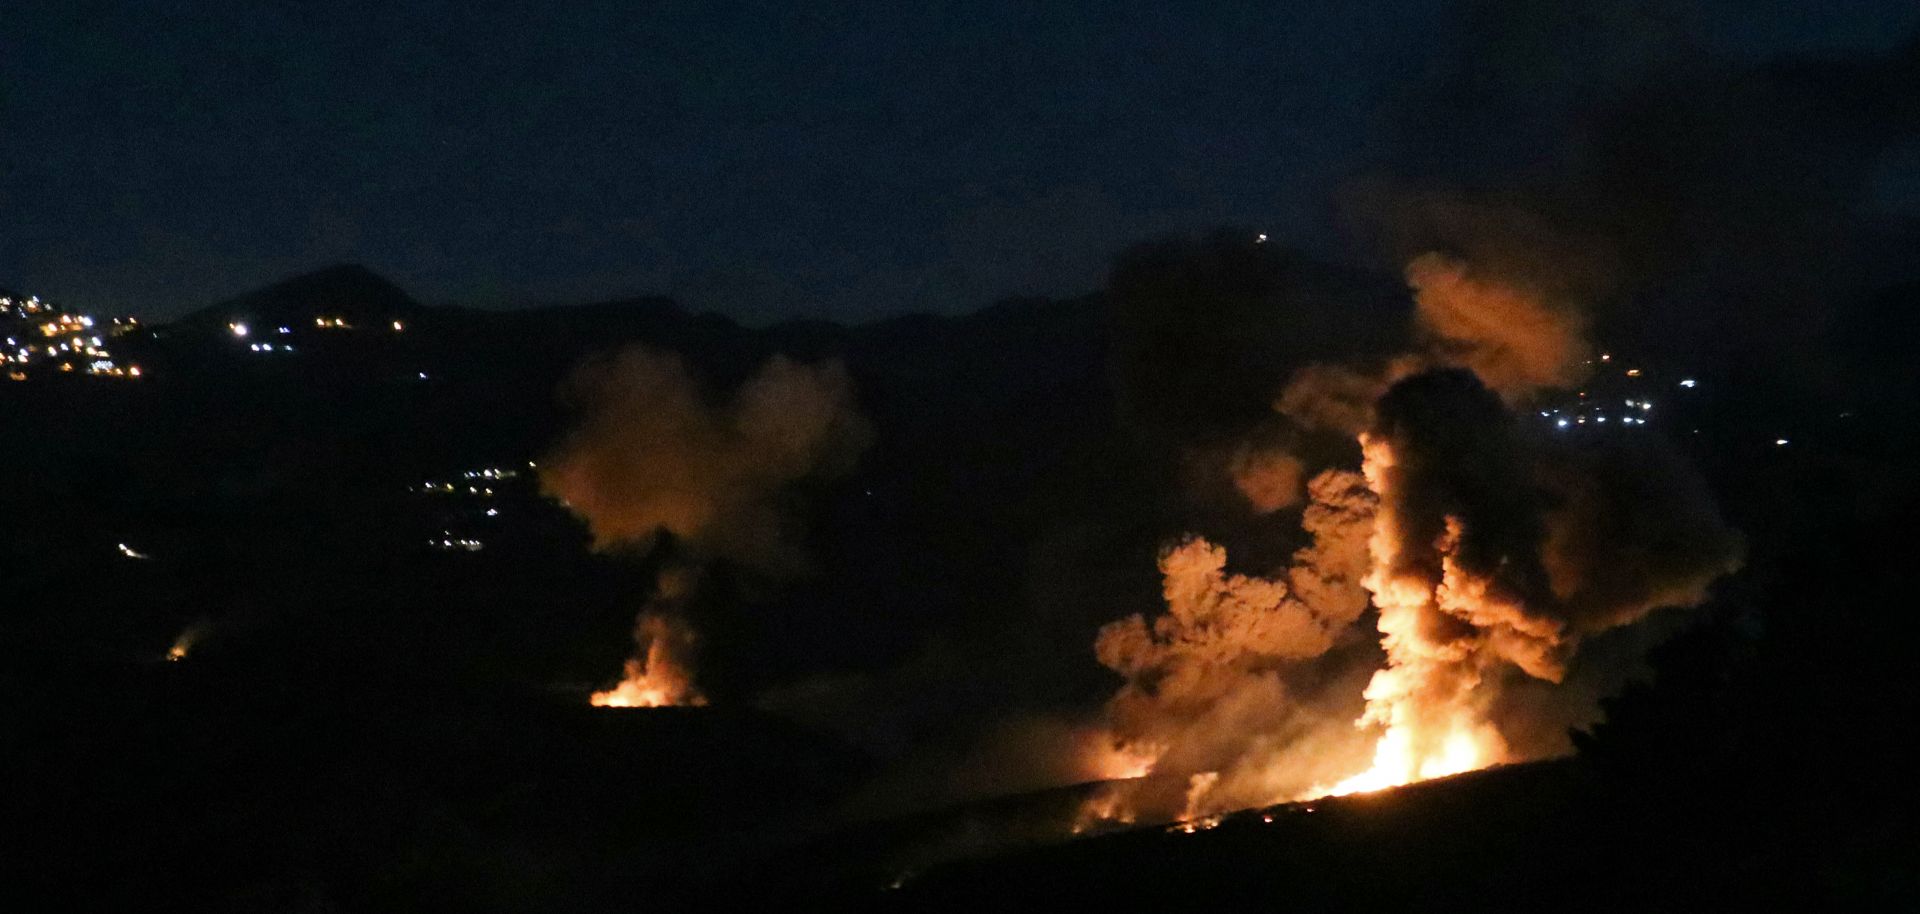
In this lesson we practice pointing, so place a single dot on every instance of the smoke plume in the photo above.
(1489, 549)
(1494, 551)
(656, 455)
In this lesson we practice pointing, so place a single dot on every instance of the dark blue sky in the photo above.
(764, 160)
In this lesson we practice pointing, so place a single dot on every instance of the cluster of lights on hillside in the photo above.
(450, 543)
(1589, 409)
(470, 484)
(242, 330)
(40, 334)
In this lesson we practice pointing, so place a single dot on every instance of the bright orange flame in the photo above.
(659, 679)
(639, 693)
(185, 642)
(1125, 762)
(1432, 728)
(1396, 764)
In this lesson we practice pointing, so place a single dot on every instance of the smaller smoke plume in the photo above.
(656, 454)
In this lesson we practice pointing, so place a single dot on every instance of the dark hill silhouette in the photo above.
(350, 291)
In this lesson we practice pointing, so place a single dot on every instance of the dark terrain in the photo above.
(369, 723)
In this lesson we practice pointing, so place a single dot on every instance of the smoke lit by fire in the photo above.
(654, 458)
(1487, 549)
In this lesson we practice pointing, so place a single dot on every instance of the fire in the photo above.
(1125, 762)
(638, 691)
(184, 642)
(660, 677)
(1424, 693)
(1397, 763)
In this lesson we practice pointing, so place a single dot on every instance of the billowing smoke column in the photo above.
(654, 455)
(1489, 550)
(1495, 551)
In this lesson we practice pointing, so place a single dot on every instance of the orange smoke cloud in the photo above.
(1505, 332)
(654, 454)
(1209, 686)
(1268, 479)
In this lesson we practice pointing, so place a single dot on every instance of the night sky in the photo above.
(764, 160)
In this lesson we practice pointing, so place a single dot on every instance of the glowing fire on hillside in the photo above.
(185, 641)
(1396, 763)
(658, 677)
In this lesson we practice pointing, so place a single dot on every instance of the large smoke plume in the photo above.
(1489, 549)
(1495, 550)
(656, 462)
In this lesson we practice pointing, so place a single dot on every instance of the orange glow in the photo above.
(660, 677)
(1125, 762)
(185, 641)
(1396, 763)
